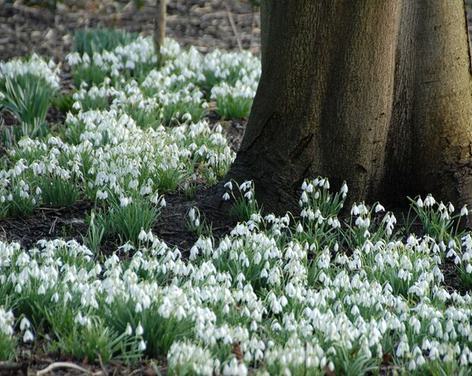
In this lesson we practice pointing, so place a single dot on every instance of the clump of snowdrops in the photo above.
(276, 295)
(27, 88)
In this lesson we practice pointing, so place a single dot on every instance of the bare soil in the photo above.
(201, 23)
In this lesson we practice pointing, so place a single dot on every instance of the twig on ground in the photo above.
(53, 226)
(56, 365)
(102, 366)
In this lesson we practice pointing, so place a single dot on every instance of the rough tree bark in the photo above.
(160, 24)
(376, 93)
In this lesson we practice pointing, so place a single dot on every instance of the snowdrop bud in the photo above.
(299, 228)
(464, 211)
(142, 346)
(304, 197)
(226, 196)
(142, 235)
(229, 185)
(163, 202)
(129, 330)
(331, 366)
(191, 214)
(55, 297)
(28, 336)
(139, 330)
(124, 201)
(379, 208)
(355, 210)
(193, 252)
(24, 324)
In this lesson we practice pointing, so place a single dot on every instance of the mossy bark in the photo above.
(376, 93)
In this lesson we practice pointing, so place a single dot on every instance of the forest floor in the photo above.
(204, 24)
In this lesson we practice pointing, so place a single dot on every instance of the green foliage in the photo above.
(28, 97)
(353, 362)
(97, 40)
(7, 347)
(63, 102)
(197, 224)
(175, 113)
(437, 219)
(244, 204)
(95, 233)
(89, 74)
(229, 107)
(158, 332)
(127, 220)
(58, 192)
(85, 337)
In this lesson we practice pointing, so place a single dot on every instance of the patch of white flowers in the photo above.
(115, 145)
(34, 66)
(114, 62)
(7, 321)
(288, 304)
(7, 341)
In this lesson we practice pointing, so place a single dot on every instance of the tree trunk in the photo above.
(160, 24)
(376, 93)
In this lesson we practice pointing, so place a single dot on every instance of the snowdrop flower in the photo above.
(163, 202)
(344, 189)
(28, 336)
(419, 202)
(142, 235)
(379, 208)
(142, 345)
(125, 201)
(429, 201)
(24, 324)
(464, 211)
(139, 330)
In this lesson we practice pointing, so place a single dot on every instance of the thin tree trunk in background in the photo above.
(376, 93)
(160, 24)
